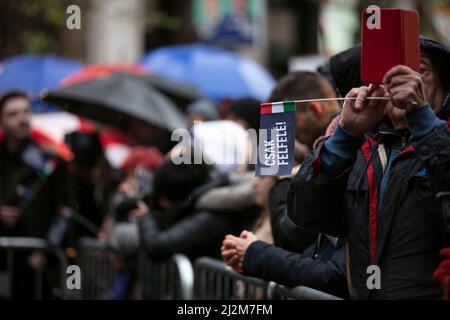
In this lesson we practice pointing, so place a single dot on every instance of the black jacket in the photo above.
(299, 257)
(184, 229)
(286, 234)
(195, 235)
(321, 266)
(402, 232)
(27, 182)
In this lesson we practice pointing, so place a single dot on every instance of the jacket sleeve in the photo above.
(294, 269)
(285, 233)
(233, 199)
(316, 194)
(188, 236)
(430, 137)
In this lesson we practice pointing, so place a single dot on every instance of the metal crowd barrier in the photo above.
(167, 280)
(280, 292)
(172, 279)
(216, 281)
(98, 275)
(15, 272)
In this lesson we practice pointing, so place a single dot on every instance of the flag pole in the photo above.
(328, 99)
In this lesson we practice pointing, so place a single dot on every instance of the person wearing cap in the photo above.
(375, 181)
(94, 182)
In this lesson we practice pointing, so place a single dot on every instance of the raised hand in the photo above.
(405, 88)
(362, 115)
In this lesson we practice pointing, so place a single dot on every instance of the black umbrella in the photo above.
(181, 94)
(116, 100)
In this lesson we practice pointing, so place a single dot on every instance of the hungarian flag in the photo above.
(276, 139)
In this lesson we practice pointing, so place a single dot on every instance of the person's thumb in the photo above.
(244, 234)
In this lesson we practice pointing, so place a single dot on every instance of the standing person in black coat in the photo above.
(32, 175)
(375, 180)
(94, 182)
(298, 257)
(312, 121)
(33, 188)
(286, 234)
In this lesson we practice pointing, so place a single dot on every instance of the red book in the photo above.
(392, 41)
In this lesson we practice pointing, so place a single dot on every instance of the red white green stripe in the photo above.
(278, 107)
(289, 106)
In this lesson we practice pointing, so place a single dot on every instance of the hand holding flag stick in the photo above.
(288, 105)
(276, 145)
(276, 148)
(278, 103)
(372, 88)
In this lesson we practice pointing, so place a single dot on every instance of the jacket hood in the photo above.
(345, 69)
(428, 44)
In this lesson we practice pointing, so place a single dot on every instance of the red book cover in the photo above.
(390, 41)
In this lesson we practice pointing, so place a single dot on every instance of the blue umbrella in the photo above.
(217, 73)
(35, 74)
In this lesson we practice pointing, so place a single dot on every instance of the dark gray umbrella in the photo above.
(181, 94)
(116, 100)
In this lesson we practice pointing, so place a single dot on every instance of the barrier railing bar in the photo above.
(312, 294)
(251, 286)
(10, 267)
(186, 274)
(19, 243)
(38, 284)
(11, 244)
(220, 267)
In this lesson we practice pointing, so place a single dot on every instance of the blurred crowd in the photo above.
(363, 191)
